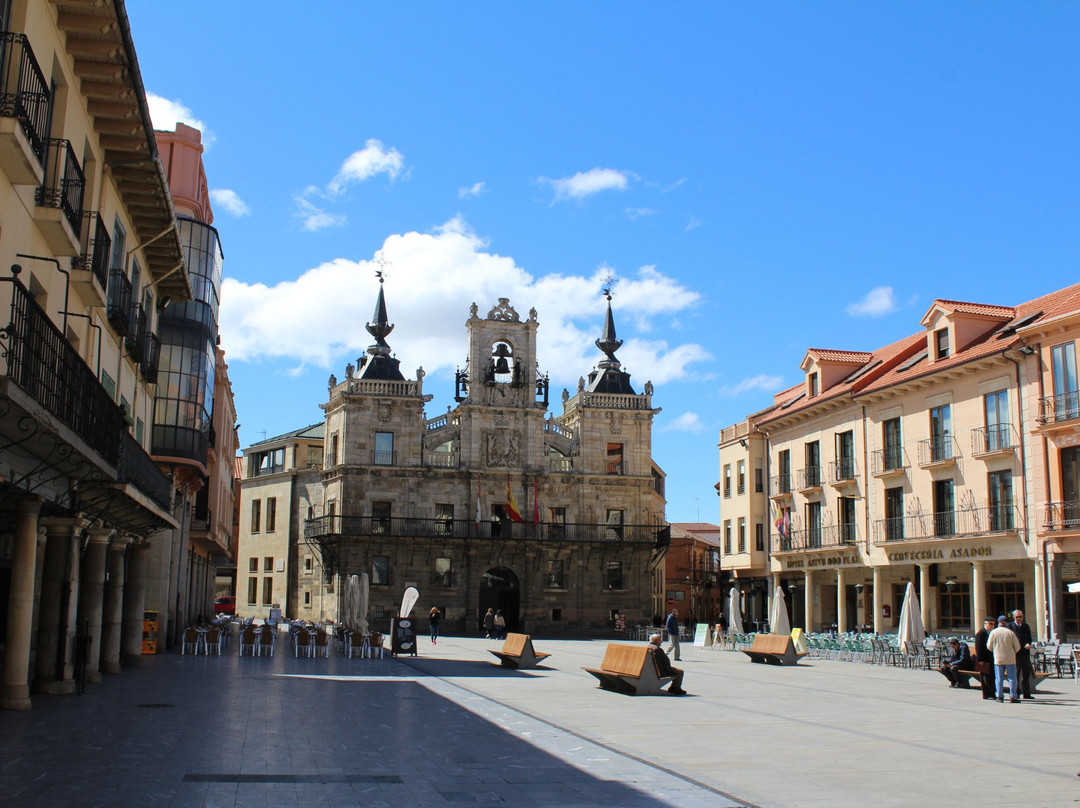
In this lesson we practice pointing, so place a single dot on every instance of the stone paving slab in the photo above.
(451, 727)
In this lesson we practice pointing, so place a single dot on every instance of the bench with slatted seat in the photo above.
(1037, 678)
(517, 652)
(773, 649)
(630, 669)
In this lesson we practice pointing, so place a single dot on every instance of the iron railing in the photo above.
(994, 438)
(891, 458)
(44, 365)
(383, 457)
(843, 470)
(137, 467)
(135, 340)
(1061, 515)
(945, 524)
(941, 449)
(779, 484)
(95, 248)
(809, 477)
(149, 365)
(817, 538)
(413, 527)
(1055, 409)
(118, 309)
(64, 182)
(24, 92)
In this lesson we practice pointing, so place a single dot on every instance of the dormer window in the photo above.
(812, 379)
(941, 343)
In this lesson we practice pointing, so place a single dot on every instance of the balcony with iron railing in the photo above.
(1059, 516)
(37, 358)
(383, 457)
(842, 471)
(138, 468)
(24, 110)
(59, 198)
(148, 367)
(937, 451)
(823, 537)
(964, 522)
(992, 440)
(91, 265)
(323, 527)
(808, 478)
(780, 486)
(135, 340)
(1059, 409)
(887, 461)
(118, 309)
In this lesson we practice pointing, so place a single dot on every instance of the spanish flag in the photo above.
(511, 506)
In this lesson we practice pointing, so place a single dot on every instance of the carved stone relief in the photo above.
(502, 448)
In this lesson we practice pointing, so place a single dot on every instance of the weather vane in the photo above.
(608, 282)
(380, 263)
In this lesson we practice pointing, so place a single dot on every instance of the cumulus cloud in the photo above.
(475, 189)
(878, 302)
(687, 422)
(313, 218)
(762, 381)
(362, 165)
(432, 280)
(587, 183)
(230, 200)
(636, 213)
(166, 113)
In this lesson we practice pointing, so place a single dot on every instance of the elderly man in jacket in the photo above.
(1004, 645)
(984, 658)
(960, 660)
(1024, 671)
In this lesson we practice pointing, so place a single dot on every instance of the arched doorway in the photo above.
(500, 590)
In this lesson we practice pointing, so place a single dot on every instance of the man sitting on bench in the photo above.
(959, 661)
(663, 665)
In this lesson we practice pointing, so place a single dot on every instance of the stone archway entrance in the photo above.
(501, 591)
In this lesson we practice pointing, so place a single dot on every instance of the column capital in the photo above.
(28, 504)
(100, 535)
(120, 543)
(62, 524)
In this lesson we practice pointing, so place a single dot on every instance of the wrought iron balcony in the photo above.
(817, 538)
(149, 365)
(1061, 516)
(324, 527)
(843, 470)
(992, 439)
(809, 477)
(941, 449)
(95, 249)
(135, 340)
(383, 458)
(889, 460)
(24, 92)
(64, 183)
(1056, 409)
(136, 467)
(946, 524)
(780, 485)
(41, 362)
(118, 309)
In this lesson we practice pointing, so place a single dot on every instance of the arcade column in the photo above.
(15, 693)
(54, 669)
(91, 598)
(134, 605)
(114, 603)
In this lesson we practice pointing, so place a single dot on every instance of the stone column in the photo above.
(978, 595)
(924, 594)
(134, 604)
(879, 600)
(808, 600)
(114, 602)
(841, 601)
(52, 669)
(15, 694)
(91, 597)
(1038, 625)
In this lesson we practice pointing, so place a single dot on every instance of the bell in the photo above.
(501, 365)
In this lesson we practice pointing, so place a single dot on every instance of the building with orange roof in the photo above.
(692, 571)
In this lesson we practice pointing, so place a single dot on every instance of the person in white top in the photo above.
(1004, 644)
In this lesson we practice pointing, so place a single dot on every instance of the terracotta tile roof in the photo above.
(238, 468)
(697, 526)
(823, 355)
(984, 309)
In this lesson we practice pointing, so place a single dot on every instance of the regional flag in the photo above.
(511, 506)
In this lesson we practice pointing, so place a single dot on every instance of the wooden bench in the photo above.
(630, 669)
(1037, 678)
(517, 652)
(773, 649)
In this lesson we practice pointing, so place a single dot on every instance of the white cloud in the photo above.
(878, 302)
(687, 422)
(432, 280)
(230, 200)
(636, 213)
(693, 224)
(587, 183)
(362, 165)
(475, 189)
(762, 381)
(313, 218)
(165, 114)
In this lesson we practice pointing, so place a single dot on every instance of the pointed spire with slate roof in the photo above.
(610, 378)
(380, 364)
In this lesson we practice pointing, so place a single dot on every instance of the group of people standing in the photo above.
(1002, 652)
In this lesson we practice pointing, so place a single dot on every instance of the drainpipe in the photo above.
(67, 281)
(95, 326)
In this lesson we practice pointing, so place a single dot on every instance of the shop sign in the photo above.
(823, 561)
(979, 551)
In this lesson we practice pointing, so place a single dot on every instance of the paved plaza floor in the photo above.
(451, 727)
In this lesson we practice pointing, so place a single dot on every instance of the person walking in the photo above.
(984, 658)
(500, 625)
(433, 621)
(665, 668)
(672, 627)
(489, 623)
(1024, 671)
(1004, 645)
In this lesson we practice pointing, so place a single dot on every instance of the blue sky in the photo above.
(761, 178)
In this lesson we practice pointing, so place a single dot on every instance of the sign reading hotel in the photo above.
(851, 559)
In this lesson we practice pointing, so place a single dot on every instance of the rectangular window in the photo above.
(996, 408)
(269, 462)
(271, 514)
(813, 378)
(253, 591)
(256, 515)
(941, 434)
(380, 517)
(268, 564)
(1000, 490)
(759, 481)
(380, 571)
(253, 564)
(941, 343)
(727, 482)
(846, 516)
(384, 448)
(307, 597)
(893, 451)
(314, 456)
(614, 524)
(955, 604)
(109, 385)
(1006, 597)
(139, 431)
(727, 537)
(742, 534)
(1066, 401)
(784, 467)
(555, 575)
(444, 519)
(944, 518)
(615, 458)
(268, 591)
(332, 451)
(556, 523)
(894, 513)
(613, 575)
(308, 563)
(812, 475)
(657, 481)
(444, 572)
(759, 537)
(813, 524)
(740, 478)
(845, 455)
